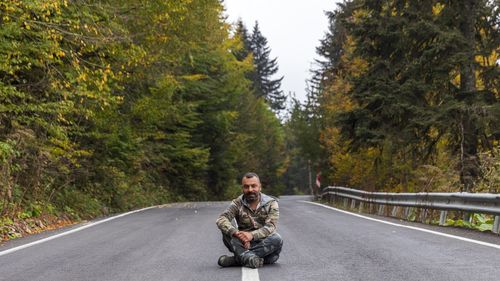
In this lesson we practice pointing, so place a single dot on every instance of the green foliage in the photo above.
(404, 99)
(261, 144)
(78, 204)
(412, 215)
(490, 169)
(479, 222)
(35, 210)
(304, 147)
(263, 84)
(482, 222)
(409, 102)
(110, 105)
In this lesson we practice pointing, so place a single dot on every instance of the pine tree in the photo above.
(265, 68)
(242, 33)
(420, 85)
(405, 87)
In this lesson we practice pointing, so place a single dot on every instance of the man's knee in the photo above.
(275, 239)
(272, 244)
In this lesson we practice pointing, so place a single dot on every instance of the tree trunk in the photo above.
(469, 160)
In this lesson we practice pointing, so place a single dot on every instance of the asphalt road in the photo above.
(181, 242)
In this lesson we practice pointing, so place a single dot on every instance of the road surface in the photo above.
(181, 242)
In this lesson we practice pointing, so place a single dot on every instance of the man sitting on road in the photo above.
(256, 241)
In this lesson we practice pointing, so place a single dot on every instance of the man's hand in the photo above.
(245, 238)
(248, 235)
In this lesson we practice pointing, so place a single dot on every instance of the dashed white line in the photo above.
(410, 227)
(249, 274)
(15, 249)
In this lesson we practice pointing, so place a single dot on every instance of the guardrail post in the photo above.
(353, 204)
(361, 206)
(345, 203)
(467, 217)
(496, 225)
(395, 211)
(423, 215)
(442, 218)
(381, 209)
(410, 213)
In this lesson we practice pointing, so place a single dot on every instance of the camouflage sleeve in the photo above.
(224, 220)
(271, 223)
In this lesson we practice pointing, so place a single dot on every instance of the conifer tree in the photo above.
(420, 85)
(242, 33)
(406, 87)
(265, 68)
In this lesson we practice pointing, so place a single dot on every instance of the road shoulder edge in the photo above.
(487, 244)
(84, 226)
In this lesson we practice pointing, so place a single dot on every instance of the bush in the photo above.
(77, 204)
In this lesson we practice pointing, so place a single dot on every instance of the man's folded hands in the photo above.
(245, 238)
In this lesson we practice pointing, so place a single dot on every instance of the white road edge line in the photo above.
(15, 249)
(410, 227)
(249, 274)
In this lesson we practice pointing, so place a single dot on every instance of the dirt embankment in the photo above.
(15, 228)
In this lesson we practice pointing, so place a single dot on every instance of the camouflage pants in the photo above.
(268, 248)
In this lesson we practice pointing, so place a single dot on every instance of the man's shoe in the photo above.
(271, 259)
(254, 262)
(226, 261)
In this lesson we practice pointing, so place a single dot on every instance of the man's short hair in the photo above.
(251, 175)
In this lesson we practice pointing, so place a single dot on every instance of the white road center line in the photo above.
(249, 274)
(410, 227)
(15, 249)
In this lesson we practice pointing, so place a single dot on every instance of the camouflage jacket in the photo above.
(261, 223)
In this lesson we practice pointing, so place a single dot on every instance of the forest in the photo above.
(107, 106)
(405, 98)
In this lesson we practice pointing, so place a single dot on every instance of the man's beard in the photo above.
(252, 197)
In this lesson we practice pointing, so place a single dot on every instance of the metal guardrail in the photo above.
(485, 203)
